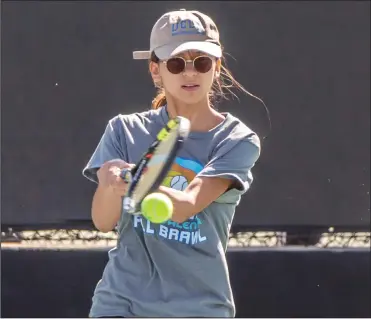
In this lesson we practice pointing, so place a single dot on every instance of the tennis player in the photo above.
(178, 268)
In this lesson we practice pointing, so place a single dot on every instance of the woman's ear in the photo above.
(218, 67)
(154, 69)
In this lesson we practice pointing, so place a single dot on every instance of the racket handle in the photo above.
(126, 175)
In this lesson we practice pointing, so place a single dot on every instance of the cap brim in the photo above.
(167, 51)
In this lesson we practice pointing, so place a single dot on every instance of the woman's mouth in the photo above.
(190, 87)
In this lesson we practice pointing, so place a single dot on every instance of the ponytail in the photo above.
(159, 100)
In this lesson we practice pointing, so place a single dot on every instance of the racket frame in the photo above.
(177, 125)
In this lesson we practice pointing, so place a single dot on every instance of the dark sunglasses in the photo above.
(201, 64)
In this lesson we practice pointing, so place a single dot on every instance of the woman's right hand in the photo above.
(109, 176)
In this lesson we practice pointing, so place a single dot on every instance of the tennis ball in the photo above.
(157, 208)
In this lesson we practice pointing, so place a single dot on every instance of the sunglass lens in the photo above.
(175, 65)
(203, 64)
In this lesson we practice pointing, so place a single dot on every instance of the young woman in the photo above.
(178, 268)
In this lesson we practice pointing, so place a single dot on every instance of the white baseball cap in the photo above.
(179, 31)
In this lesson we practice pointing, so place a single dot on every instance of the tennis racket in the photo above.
(148, 174)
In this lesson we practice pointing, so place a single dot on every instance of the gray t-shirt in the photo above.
(171, 269)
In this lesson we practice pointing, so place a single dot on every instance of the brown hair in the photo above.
(160, 99)
(220, 88)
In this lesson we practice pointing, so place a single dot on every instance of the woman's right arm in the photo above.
(106, 209)
(107, 200)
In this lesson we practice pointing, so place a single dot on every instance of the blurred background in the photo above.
(300, 241)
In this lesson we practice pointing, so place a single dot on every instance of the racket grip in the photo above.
(126, 175)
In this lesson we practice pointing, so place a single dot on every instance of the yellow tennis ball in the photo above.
(157, 208)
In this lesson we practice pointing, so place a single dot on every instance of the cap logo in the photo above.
(186, 27)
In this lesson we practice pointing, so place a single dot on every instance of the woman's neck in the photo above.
(201, 115)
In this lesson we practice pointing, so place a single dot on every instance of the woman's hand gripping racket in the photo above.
(150, 171)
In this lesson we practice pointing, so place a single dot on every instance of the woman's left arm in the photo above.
(199, 194)
(228, 170)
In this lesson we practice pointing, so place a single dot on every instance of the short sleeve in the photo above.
(234, 159)
(110, 146)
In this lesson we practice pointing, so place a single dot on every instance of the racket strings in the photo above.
(155, 165)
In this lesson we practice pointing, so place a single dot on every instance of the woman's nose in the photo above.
(189, 69)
